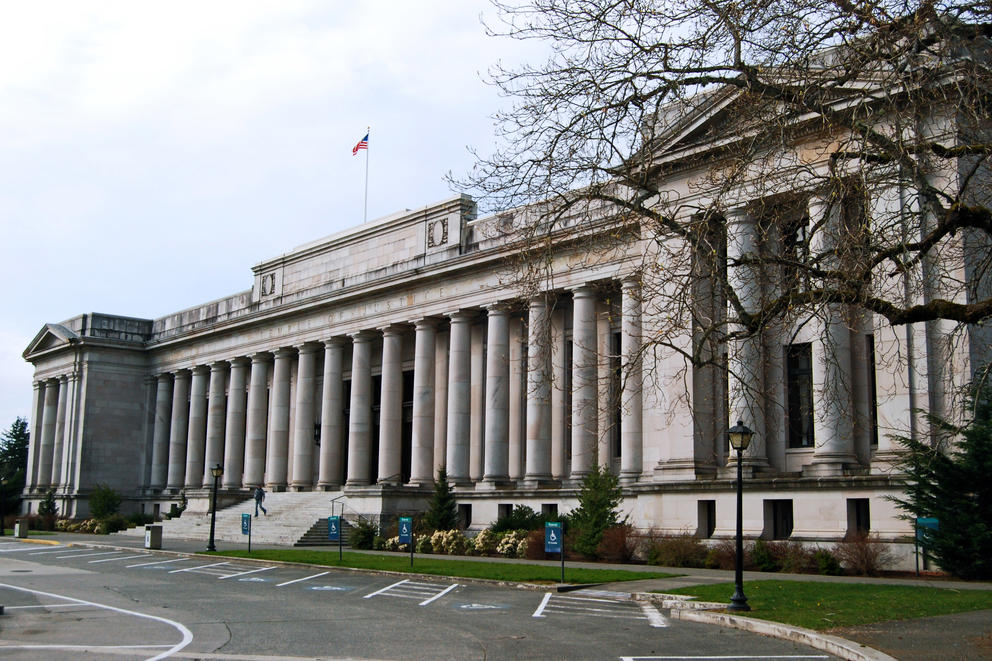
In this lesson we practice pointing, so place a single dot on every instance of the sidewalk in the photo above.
(957, 637)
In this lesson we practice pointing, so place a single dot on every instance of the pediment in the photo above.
(696, 121)
(51, 336)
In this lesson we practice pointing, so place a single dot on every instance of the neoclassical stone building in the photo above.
(361, 363)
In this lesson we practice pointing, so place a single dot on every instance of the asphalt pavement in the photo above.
(961, 636)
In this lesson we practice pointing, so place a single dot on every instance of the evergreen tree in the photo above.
(952, 485)
(598, 501)
(48, 506)
(13, 465)
(442, 512)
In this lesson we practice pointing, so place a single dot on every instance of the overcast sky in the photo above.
(151, 153)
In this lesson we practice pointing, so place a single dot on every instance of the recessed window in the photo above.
(778, 519)
(549, 510)
(858, 517)
(706, 510)
(464, 515)
(799, 377)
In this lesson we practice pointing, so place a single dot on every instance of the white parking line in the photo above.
(439, 594)
(43, 606)
(88, 555)
(157, 562)
(187, 637)
(720, 658)
(305, 578)
(252, 571)
(60, 550)
(127, 557)
(655, 618)
(388, 587)
(216, 564)
(544, 602)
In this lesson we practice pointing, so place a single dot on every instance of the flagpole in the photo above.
(366, 212)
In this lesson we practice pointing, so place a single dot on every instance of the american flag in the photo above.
(362, 144)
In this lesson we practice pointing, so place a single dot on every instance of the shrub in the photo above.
(362, 534)
(437, 541)
(792, 557)
(521, 517)
(724, 555)
(599, 498)
(139, 519)
(453, 542)
(762, 557)
(683, 550)
(864, 555)
(110, 524)
(104, 502)
(826, 563)
(47, 506)
(442, 511)
(485, 542)
(618, 544)
(535, 546)
(379, 543)
(423, 544)
(509, 543)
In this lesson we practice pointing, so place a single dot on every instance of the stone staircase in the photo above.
(317, 535)
(291, 515)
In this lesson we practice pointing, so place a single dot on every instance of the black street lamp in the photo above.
(740, 438)
(216, 471)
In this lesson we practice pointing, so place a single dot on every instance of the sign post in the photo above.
(406, 534)
(334, 532)
(246, 528)
(923, 526)
(554, 542)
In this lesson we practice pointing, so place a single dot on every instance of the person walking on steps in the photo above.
(259, 497)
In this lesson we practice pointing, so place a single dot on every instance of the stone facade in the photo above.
(361, 363)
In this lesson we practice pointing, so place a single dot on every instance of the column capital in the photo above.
(260, 357)
(181, 374)
(585, 290)
(283, 352)
(394, 329)
(239, 361)
(164, 376)
(219, 366)
(630, 282)
(425, 322)
(63, 378)
(199, 369)
(307, 347)
(461, 316)
(363, 336)
(335, 342)
(497, 308)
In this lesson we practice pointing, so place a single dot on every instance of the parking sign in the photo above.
(333, 528)
(406, 530)
(552, 537)
(246, 524)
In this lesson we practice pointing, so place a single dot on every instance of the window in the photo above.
(504, 510)
(872, 389)
(549, 511)
(778, 519)
(464, 515)
(858, 517)
(795, 249)
(706, 510)
(799, 382)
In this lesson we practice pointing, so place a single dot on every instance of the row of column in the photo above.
(750, 360)
(49, 463)
(196, 426)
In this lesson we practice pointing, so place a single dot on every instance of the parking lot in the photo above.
(126, 603)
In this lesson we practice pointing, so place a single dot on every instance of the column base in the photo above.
(830, 465)
(540, 482)
(494, 483)
(678, 470)
(328, 487)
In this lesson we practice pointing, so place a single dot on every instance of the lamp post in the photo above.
(740, 438)
(216, 471)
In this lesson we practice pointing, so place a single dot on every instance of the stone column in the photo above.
(391, 407)
(497, 396)
(459, 397)
(59, 431)
(34, 444)
(234, 429)
(745, 357)
(257, 421)
(303, 444)
(833, 406)
(516, 416)
(178, 431)
(196, 437)
(216, 414)
(584, 373)
(477, 424)
(277, 450)
(422, 455)
(331, 418)
(561, 413)
(160, 433)
(360, 420)
(538, 392)
(47, 445)
(631, 433)
(440, 400)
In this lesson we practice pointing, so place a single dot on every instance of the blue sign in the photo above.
(923, 525)
(552, 537)
(334, 528)
(406, 530)
(246, 524)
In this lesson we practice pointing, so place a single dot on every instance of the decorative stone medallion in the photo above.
(437, 233)
(268, 285)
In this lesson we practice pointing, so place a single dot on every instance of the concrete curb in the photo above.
(32, 540)
(840, 647)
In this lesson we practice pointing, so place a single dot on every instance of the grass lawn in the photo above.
(501, 571)
(827, 605)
